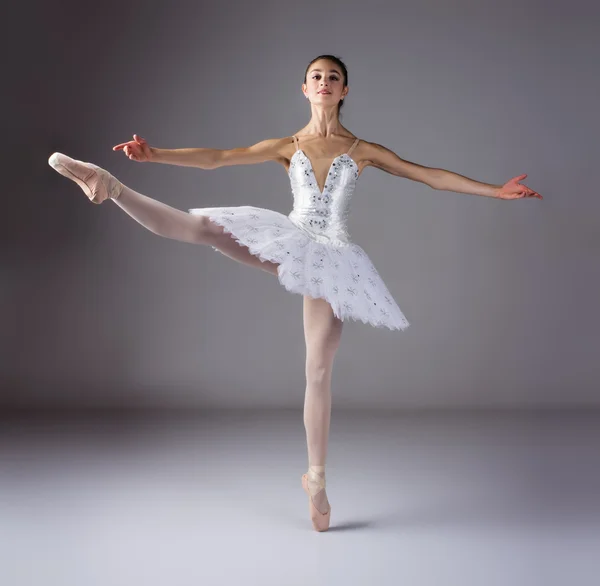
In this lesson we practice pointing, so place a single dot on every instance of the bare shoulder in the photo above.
(370, 153)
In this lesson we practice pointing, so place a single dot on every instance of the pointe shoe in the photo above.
(319, 520)
(97, 183)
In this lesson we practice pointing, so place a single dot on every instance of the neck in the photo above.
(324, 122)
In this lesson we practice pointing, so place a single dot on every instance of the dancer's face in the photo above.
(324, 76)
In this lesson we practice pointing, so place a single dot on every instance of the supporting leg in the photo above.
(322, 332)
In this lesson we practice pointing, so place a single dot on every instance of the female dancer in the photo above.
(310, 250)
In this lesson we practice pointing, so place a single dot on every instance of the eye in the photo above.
(333, 77)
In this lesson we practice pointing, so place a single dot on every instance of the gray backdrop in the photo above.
(502, 296)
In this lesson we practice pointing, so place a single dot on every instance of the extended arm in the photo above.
(206, 158)
(441, 179)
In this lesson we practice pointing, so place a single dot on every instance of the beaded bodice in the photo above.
(324, 214)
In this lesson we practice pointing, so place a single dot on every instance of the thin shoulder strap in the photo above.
(295, 142)
(353, 146)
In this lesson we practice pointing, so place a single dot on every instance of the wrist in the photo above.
(155, 155)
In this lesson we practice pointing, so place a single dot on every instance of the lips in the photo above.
(324, 92)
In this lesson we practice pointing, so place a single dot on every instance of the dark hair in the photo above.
(339, 63)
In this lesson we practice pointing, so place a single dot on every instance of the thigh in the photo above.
(322, 332)
(225, 243)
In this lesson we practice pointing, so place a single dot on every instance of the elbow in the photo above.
(213, 160)
(434, 178)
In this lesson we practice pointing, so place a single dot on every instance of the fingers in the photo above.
(122, 145)
(530, 193)
(526, 192)
(136, 140)
(136, 149)
(132, 152)
(143, 145)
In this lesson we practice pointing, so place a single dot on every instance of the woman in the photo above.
(310, 250)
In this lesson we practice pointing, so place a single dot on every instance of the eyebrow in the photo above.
(319, 70)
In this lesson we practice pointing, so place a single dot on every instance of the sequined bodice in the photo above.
(323, 214)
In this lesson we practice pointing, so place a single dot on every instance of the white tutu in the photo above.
(339, 272)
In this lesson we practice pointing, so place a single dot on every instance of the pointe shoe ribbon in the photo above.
(97, 183)
(319, 520)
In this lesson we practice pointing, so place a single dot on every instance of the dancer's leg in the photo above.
(162, 219)
(99, 185)
(179, 225)
(322, 333)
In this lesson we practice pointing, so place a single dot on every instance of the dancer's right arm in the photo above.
(271, 149)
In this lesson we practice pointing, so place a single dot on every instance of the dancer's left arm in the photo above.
(376, 155)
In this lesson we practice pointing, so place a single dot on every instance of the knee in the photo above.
(317, 373)
(205, 231)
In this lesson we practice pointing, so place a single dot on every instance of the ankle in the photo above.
(113, 186)
(116, 192)
(316, 474)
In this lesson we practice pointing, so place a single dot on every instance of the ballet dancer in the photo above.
(310, 250)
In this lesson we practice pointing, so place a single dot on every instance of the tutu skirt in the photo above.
(311, 264)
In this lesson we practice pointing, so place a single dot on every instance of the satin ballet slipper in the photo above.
(319, 520)
(97, 183)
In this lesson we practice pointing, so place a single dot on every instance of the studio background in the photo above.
(502, 296)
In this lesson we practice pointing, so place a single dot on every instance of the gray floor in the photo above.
(417, 499)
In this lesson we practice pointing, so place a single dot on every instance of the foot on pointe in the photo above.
(97, 183)
(319, 510)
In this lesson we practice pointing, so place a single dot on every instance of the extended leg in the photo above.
(322, 333)
(179, 225)
(99, 185)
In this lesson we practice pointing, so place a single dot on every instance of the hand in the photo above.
(512, 189)
(137, 149)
